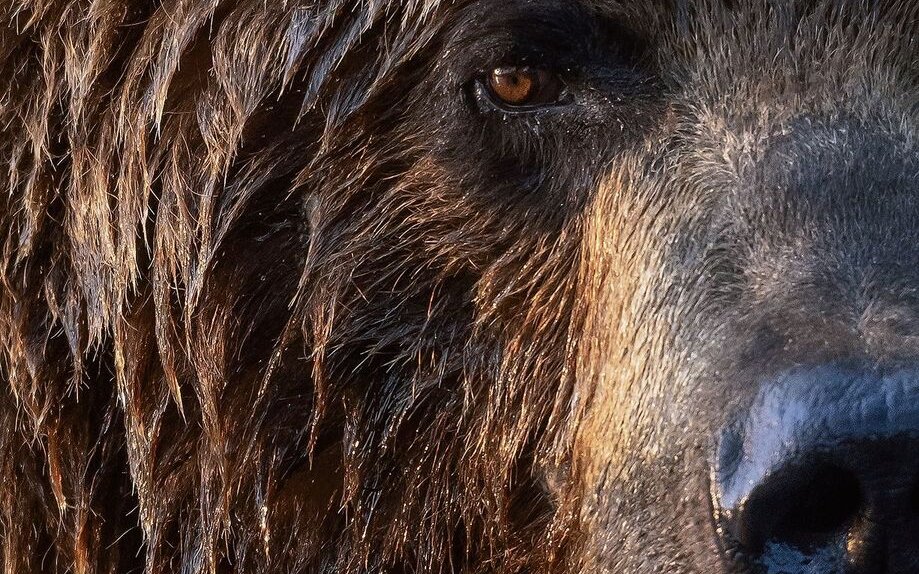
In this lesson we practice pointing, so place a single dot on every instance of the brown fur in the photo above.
(251, 322)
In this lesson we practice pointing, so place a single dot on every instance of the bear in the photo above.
(472, 286)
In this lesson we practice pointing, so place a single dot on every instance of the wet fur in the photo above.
(265, 305)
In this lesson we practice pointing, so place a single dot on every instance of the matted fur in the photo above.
(250, 322)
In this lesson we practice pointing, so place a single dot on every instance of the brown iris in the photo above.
(524, 86)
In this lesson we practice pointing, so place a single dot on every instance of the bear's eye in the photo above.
(520, 88)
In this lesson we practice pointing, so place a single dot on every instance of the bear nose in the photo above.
(821, 474)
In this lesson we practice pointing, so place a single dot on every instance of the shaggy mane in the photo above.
(210, 362)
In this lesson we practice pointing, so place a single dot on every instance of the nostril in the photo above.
(823, 507)
(805, 508)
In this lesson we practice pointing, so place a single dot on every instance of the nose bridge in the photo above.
(812, 175)
(826, 226)
(823, 158)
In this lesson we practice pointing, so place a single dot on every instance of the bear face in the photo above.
(474, 286)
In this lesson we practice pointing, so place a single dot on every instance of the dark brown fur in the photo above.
(258, 315)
